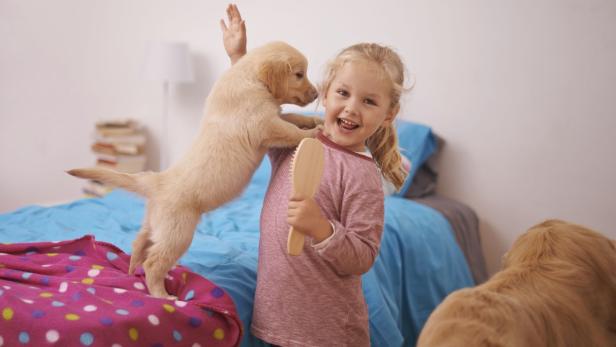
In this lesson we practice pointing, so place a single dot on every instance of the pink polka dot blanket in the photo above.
(78, 293)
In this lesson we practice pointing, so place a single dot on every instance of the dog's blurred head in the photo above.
(565, 246)
(282, 69)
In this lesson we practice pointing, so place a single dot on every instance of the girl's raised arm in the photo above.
(234, 35)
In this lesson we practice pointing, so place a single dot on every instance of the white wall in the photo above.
(523, 91)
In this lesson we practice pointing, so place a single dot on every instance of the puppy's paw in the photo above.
(317, 121)
(315, 131)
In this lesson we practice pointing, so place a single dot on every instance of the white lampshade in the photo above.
(168, 62)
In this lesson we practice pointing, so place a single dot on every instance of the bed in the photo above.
(427, 246)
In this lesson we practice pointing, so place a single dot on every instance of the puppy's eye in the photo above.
(299, 75)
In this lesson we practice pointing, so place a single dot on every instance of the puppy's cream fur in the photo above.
(557, 288)
(242, 120)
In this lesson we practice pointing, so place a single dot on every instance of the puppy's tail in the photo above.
(137, 183)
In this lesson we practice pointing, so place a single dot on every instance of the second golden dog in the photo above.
(557, 288)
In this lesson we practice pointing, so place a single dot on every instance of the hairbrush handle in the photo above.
(306, 173)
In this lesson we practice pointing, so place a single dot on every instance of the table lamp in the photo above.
(169, 63)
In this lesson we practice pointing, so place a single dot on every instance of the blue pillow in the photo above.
(417, 143)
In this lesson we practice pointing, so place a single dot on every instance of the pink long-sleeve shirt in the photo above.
(315, 299)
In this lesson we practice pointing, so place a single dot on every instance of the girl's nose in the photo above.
(350, 107)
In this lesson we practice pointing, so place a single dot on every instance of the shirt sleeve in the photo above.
(353, 248)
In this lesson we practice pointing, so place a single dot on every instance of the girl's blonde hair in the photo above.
(383, 144)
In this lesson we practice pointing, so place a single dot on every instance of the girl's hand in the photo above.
(306, 217)
(234, 36)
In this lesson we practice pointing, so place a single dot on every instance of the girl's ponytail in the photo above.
(383, 145)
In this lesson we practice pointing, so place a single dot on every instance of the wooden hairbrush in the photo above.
(306, 173)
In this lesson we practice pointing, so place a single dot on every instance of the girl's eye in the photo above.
(342, 92)
(299, 75)
(370, 102)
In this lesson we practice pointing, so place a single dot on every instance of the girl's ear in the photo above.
(391, 115)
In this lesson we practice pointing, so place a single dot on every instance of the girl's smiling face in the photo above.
(357, 102)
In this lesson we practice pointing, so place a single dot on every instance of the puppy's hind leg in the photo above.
(172, 235)
(140, 247)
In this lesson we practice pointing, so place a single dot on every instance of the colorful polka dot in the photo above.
(46, 295)
(194, 322)
(177, 336)
(153, 319)
(71, 317)
(180, 303)
(219, 334)
(169, 308)
(38, 314)
(86, 339)
(97, 267)
(93, 272)
(56, 303)
(7, 313)
(87, 281)
(52, 336)
(63, 287)
(89, 308)
(111, 256)
(190, 295)
(106, 321)
(24, 337)
(133, 334)
(122, 312)
(139, 285)
(217, 292)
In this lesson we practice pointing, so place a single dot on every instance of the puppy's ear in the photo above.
(274, 74)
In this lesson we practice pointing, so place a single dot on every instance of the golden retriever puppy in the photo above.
(242, 120)
(557, 288)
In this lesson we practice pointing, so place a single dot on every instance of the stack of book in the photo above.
(118, 145)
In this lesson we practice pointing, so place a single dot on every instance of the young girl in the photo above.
(316, 299)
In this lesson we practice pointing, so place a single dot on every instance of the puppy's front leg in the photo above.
(280, 133)
(305, 122)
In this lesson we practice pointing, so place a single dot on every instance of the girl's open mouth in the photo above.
(347, 125)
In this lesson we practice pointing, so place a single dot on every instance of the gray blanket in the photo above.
(465, 225)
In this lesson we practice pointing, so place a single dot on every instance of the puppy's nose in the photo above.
(312, 94)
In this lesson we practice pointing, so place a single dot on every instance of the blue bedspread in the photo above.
(418, 265)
